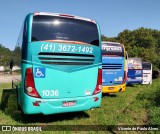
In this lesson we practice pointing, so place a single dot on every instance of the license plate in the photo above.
(68, 103)
(111, 88)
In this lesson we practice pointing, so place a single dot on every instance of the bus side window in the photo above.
(24, 32)
(16, 61)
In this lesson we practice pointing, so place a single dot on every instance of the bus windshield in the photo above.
(65, 29)
(134, 63)
(146, 66)
(112, 49)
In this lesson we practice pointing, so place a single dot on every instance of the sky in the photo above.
(113, 16)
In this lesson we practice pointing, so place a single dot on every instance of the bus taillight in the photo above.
(124, 77)
(66, 15)
(99, 82)
(29, 84)
(37, 13)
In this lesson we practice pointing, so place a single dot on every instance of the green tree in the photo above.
(5, 55)
(143, 43)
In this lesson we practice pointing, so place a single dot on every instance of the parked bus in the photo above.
(60, 60)
(113, 67)
(134, 71)
(126, 64)
(147, 72)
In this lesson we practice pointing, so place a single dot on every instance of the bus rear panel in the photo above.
(61, 64)
(134, 71)
(113, 67)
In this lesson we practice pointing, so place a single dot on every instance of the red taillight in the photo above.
(96, 99)
(29, 84)
(66, 15)
(99, 82)
(37, 13)
(36, 103)
(124, 78)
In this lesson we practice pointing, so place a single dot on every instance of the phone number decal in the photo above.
(66, 48)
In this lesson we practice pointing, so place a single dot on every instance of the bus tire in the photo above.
(12, 85)
(18, 106)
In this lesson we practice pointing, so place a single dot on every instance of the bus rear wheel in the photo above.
(18, 106)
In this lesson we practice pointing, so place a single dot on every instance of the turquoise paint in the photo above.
(73, 82)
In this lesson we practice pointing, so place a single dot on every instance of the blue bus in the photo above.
(113, 67)
(134, 75)
(60, 60)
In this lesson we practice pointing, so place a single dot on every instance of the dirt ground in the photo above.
(6, 78)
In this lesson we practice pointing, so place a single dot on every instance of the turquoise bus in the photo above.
(60, 60)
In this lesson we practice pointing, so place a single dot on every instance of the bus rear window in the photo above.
(134, 63)
(146, 66)
(60, 28)
(112, 49)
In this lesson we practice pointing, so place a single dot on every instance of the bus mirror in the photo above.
(11, 64)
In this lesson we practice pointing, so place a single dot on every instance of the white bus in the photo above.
(147, 72)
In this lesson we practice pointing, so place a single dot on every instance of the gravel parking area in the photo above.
(6, 78)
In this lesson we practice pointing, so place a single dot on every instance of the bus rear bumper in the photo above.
(113, 89)
(147, 82)
(133, 82)
(54, 106)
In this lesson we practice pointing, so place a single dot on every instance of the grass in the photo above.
(151, 101)
(138, 105)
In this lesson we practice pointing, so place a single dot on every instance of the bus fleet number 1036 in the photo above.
(50, 92)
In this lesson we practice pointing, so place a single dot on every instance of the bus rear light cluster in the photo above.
(29, 89)
(124, 77)
(99, 82)
(66, 15)
(96, 99)
(36, 103)
(29, 84)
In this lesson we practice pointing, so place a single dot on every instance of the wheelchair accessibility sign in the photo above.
(39, 72)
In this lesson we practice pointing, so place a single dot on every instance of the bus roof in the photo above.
(111, 42)
(134, 58)
(145, 62)
(64, 15)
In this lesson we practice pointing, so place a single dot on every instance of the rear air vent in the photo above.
(111, 66)
(65, 58)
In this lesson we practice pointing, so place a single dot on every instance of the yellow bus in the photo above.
(113, 67)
